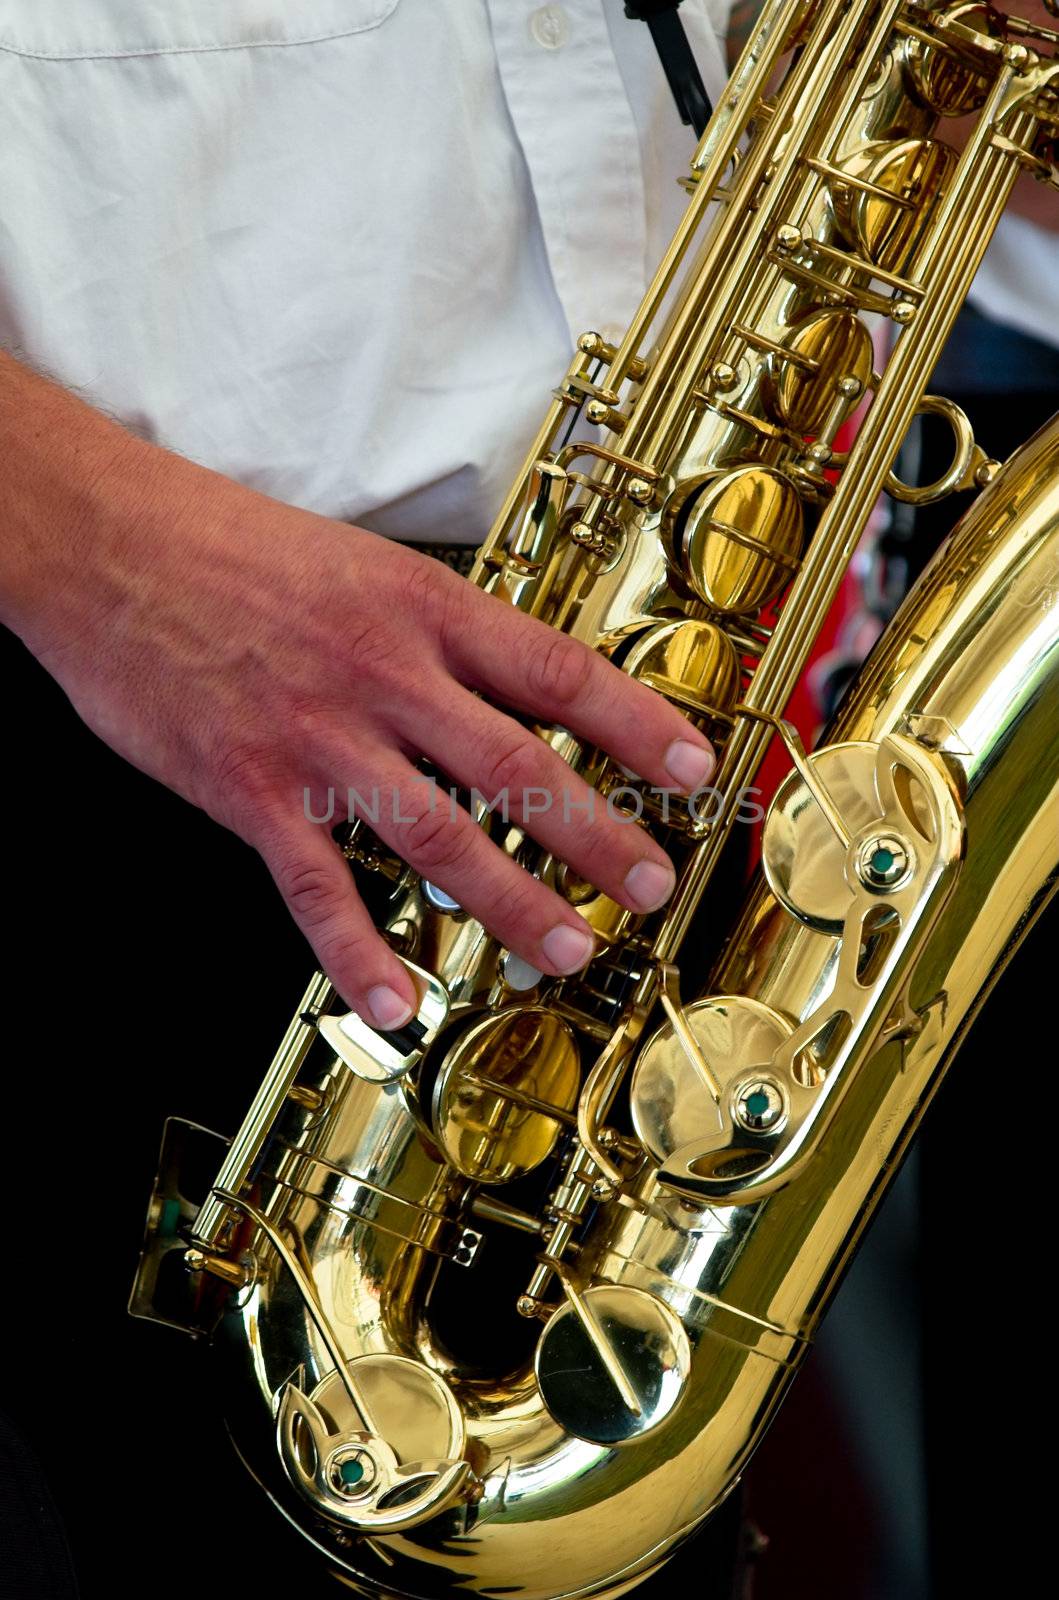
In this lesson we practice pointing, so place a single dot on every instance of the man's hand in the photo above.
(242, 651)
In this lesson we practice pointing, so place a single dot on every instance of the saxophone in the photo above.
(669, 1164)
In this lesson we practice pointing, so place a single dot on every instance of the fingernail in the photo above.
(567, 948)
(649, 885)
(388, 1008)
(689, 765)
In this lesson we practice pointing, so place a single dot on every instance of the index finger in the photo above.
(534, 668)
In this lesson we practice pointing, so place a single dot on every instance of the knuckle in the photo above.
(559, 670)
(432, 841)
(422, 589)
(466, 610)
(600, 855)
(245, 771)
(513, 907)
(344, 955)
(375, 650)
(308, 720)
(420, 611)
(310, 892)
(513, 763)
(445, 608)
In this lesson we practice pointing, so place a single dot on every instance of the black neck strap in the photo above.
(677, 58)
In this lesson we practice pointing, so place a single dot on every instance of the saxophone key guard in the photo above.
(874, 834)
(382, 1057)
(400, 1470)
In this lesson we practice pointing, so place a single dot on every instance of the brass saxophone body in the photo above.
(682, 1164)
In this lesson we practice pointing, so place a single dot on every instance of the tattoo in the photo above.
(741, 19)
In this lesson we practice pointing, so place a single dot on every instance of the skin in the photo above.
(239, 650)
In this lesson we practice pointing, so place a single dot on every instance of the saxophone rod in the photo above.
(267, 1104)
(715, 153)
(983, 180)
(304, 1286)
(597, 1336)
(673, 1007)
(658, 413)
(811, 83)
(985, 174)
(519, 1097)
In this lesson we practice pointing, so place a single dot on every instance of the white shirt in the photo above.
(337, 249)
(1018, 281)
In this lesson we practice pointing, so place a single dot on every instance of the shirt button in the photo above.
(550, 27)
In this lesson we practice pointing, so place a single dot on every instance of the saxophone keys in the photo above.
(832, 347)
(813, 874)
(401, 1470)
(738, 536)
(944, 77)
(803, 860)
(884, 195)
(898, 867)
(612, 1363)
(505, 1092)
(546, 495)
(671, 1104)
(383, 1057)
(693, 663)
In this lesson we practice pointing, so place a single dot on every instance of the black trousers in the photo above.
(35, 1561)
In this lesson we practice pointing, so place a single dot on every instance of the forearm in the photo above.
(67, 491)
